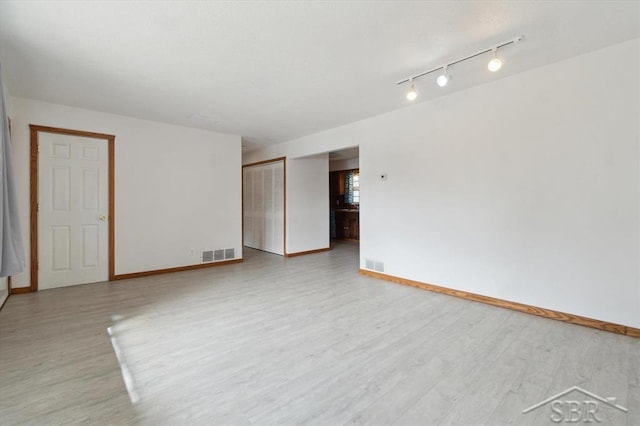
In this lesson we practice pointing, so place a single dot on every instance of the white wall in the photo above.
(349, 164)
(307, 203)
(176, 188)
(525, 189)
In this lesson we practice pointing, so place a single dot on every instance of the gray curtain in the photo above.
(11, 250)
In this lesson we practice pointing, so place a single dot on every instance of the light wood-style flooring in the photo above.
(303, 340)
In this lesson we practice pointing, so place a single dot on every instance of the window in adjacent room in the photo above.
(352, 187)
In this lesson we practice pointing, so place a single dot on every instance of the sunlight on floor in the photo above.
(126, 373)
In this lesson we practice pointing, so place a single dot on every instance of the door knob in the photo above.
(103, 217)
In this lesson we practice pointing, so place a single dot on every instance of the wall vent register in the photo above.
(217, 255)
(374, 265)
(207, 256)
(229, 253)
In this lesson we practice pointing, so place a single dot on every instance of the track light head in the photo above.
(496, 63)
(443, 78)
(412, 94)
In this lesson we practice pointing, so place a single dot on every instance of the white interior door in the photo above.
(263, 202)
(72, 210)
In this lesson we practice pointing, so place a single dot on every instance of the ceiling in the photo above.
(275, 71)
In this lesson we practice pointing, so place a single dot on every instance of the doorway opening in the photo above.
(344, 195)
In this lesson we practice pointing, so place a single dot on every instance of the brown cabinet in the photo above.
(347, 224)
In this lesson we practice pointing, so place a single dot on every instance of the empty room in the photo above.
(320, 212)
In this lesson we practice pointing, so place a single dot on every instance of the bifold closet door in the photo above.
(263, 200)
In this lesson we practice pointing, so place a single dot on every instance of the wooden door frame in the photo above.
(260, 163)
(33, 194)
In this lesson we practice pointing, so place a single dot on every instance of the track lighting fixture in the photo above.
(412, 94)
(494, 65)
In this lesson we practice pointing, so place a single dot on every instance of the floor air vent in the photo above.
(229, 253)
(369, 264)
(379, 266)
